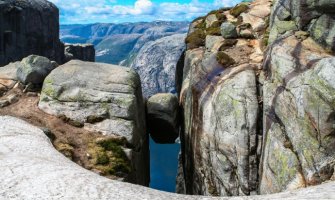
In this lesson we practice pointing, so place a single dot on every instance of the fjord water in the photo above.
(163, 166)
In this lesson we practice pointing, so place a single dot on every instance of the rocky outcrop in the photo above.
(103, 98)
(220, 99)
(156, 64)
(227, 149)
(31, 168)
(33, 69)
(299, 97)
(316, 17)
(163, 118)
(29, 27)
(84, 52)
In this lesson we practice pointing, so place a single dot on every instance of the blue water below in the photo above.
(163, 166)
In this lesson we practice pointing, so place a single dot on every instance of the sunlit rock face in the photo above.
(221, 137)
(314, 16)
(101, 98)
(255, 124)
(29, 27)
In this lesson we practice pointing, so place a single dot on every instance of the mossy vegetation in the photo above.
(108, 156)
(196, 39)
(239, 9)
(224, 59)
(65, 149)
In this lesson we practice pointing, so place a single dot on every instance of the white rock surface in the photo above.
(32, 169)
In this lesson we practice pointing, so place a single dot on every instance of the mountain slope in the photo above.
(120, 42)
(156, 64)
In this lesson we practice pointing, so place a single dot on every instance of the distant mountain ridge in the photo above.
(120, 43)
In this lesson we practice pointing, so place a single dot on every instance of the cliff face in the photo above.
(255, 123)
(299, 117)
(156, 64)
(29, 27)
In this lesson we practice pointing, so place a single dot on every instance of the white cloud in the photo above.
(88, 11)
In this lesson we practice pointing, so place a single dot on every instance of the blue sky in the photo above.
(117, 11)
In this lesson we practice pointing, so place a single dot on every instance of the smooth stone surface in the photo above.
(103, 98)
(32, 169)
(163, 117)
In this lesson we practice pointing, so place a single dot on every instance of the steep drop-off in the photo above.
(253, 124)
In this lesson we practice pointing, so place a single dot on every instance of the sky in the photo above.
(119, 11)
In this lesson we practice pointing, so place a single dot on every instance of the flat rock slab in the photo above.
(32, 169)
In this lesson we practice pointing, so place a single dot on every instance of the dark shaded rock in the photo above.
(33, 69)
(29, 27)
(84, 52)
(162, 111)
(228, 30)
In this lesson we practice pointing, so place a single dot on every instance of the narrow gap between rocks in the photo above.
(163, 166)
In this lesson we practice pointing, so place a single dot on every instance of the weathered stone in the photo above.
(298, 116)
(213, 42)
(84, 52)
(35, 31)
(315, 16)
(156, 64)
(228, 30)
(104, 98)
(212, 99)
(257, 15)
(210, 20)
(238, 9)
(163, 118)
(27, 157)
(4, 103)
(33, 69)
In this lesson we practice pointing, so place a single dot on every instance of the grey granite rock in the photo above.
(32, 169)
(314, 16)
(102, 98)
(156, 64)
(33, 69)
(228, 30)
(163, 117)
(298, 145)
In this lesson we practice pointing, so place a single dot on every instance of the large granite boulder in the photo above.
(29, 27)
(32, 169)
(156, 64)
(315, 16)
(103, 98)
(163, 117)
(33, 69)
(299, 104)
(84, 52)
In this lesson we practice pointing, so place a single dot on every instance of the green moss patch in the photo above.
(224, 59)
(108, 156)
(196, 39)
(239, 9)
